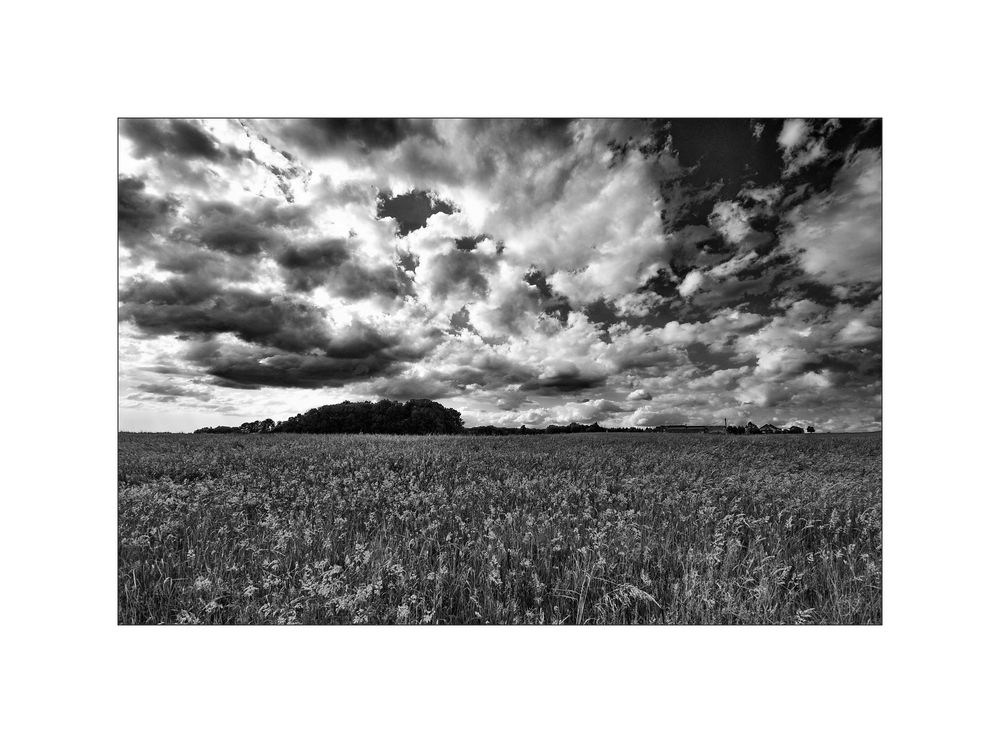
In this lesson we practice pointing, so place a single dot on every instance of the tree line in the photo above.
(429, 417)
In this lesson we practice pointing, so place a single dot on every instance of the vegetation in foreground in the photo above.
(581, 528)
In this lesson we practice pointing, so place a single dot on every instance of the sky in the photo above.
(524, 272)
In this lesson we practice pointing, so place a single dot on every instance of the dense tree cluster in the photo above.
(384, 416)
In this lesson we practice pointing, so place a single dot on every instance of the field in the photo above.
(555, 529)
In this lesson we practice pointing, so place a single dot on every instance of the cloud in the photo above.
(296, 370)
(633, 272)
(563, 376)
(793, 134)
(591, 411)
(690, 284)
(191, 305)
(171, 391)
(637, 304)
(332, 263)
(139, 212)
(731, 220)
(175, 138)
(857, 332)
(837, 235)
(804, 143)
(409, 387)
(362, 136)
(230, 229)
(459, 271)
(307, 264)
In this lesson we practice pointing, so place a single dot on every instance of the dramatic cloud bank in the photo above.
(628, 272)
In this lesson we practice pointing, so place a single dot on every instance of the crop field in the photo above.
(551, 529)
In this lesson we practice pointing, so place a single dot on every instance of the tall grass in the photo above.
(588, 528)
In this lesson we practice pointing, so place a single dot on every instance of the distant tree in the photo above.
(751, 428)
(810, 429)
(794, 429)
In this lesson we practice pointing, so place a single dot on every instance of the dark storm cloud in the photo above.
(139, 212)
(330, 263)
(228, 228)
(297, 370)
(513, 380)
(565, 377)
(291, 342)
(216, 239)
(411, 210)
(487, 371)
(192, 305)
(352, 354)
(308, 266)
(173, 138)
(323, 136)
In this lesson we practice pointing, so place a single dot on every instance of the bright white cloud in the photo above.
(691, 283)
